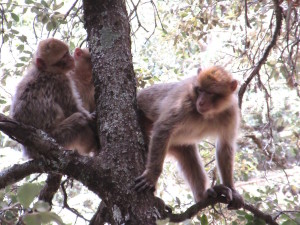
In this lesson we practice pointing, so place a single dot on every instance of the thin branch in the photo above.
(66, 15)
(54, 158)
(278, 13)
(194, 209)
(65, 201)
(246, 15)
(19, 171)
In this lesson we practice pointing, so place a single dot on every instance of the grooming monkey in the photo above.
(175, 116)
(82, 76)
(46, 99)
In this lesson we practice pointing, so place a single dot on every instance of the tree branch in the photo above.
(194, 209)
(19, 171)
(54, 158)
(278, 13)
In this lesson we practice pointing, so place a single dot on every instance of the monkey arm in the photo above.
(158, 147)
(65, 131)
(225, 161)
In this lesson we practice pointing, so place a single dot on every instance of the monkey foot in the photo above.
(231, 196)
(237, 201)
(220, 190)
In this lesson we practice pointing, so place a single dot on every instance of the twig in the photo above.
(66, 15)
(65, 202)
(246, 15)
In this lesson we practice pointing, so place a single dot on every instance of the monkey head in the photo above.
(213, 90)
(53, 56)
(82, 59)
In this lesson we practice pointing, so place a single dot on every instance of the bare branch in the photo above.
(194, 209)
(19, 171)
(54, 158)
(66, 15)
(278, 13)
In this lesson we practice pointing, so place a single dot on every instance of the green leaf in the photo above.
(56, 7)
(49, 26)
(27, 192)
(19, 64)
(72, 45)
(41, 206)
(257, 221)
(15, 17)
(23, 38)
(28, 1)
(20, 48)
(289, 222)
(45, 4)
(204, 220)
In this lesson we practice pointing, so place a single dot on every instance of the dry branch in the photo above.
(194, 209)
(255, 71)
(54, 158)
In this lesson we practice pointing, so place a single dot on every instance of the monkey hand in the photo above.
(146, 181)
(219, 191)
(93, 116)
(237, 201)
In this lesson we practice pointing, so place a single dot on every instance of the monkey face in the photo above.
(207, 102)
(64, 64)
(213, 89)
(82, 59)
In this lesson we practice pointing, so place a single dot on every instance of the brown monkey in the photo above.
(177, 115)
(82, 76)
(47, 99)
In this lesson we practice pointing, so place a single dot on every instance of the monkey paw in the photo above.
(220, 190)
(145, 182)
(237, 201)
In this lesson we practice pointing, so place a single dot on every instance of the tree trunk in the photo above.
(122, 144)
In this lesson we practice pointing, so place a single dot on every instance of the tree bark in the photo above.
(122, 144)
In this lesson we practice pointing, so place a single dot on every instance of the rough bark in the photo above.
(122, 144)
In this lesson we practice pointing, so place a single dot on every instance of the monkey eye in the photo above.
(66, 55)
(198, 90)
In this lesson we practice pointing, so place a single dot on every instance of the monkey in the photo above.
(46, 98)
(179, 114)
(82, 76)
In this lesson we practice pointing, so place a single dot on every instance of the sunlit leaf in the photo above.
(204, 220)
(45, 4)
(27, 192)
(56, 7)
(41, 206)
(15, 17)
(49, 26)
(289, 222)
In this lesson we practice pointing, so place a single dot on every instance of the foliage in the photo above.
(170, 41)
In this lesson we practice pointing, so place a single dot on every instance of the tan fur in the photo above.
(46, 99)
(183, 113)
(82, 76)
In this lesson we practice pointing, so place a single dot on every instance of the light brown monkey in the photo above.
(82, 76)
(46, 98)
(177, 115)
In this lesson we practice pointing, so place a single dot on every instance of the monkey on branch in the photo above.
(46, 98)
(175, 116)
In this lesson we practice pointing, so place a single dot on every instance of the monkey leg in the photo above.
(191, 165)
(51, 187)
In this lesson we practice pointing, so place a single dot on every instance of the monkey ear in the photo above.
(233, 85)
(77, 53)
(40, 63)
